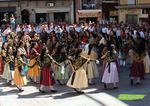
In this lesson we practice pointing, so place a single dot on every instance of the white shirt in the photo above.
(142, 34)
(67, 28)
(118, 33)
(38, 30)
(104, 30)
(134, 32)
(91, 29)
(18, 29)
(78, 29)
(86, 47)
(7, 31)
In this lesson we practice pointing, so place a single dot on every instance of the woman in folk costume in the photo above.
(110, 73)
(105, 60)
(61, 73)
(19, 74)
(46, 79)
(90, 52)
(137, 52)
(3, 57)
(23, 54)
(9, 65)
(34, 72)
(78, 79)
(1, 60)
(146, 60)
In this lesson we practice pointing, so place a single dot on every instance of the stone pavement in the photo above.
(94, 95)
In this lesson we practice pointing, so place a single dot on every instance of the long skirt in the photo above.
(137, 70)
(1, 66)
(19, 80)
(92, 70)
(46, 78)
(78, 79)
(146, 63)
(59, 75)
(8, 74)
(34, 71)
(104, 66)
(110, 73)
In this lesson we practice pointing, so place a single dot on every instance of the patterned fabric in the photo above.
(110, 58)
(46, 61)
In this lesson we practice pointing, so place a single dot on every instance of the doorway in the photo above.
(40, 17)
(59, 17)
(25, 16)
(131, 19)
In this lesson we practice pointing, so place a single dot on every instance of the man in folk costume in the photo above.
(78, 79)
(90, 52)
(137, 52)
(110, 73)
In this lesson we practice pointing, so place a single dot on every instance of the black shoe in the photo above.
(60, 83)
(137, 83)
(80, 92)
(42, 91)
(131, 82)
(21, 90)
(105, 86)
(115, 88)
(75, 89)
(91, 83)
(53, 91)
(31, 79)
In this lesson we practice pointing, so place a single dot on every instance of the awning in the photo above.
(7, 9)
(51, 10)
(132, 6)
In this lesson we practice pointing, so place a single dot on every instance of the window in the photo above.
(89, 4)
(131, 1)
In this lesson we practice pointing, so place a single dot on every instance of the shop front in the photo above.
(5, 13)
(89, 15)
(57, 15)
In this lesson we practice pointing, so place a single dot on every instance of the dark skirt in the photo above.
(137, 69)
(1, 66)
(46, 77)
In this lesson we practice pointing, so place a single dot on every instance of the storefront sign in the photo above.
(113, 13)
(85, 15)
(144, 16)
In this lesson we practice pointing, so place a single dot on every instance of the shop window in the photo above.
(146, 11)
(131, 2)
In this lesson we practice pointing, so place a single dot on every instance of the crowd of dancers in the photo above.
(72, 53)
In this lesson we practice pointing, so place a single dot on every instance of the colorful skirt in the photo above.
(19, 80)
(92, 70)
(110, 74)
(59, 75)
(1, 66)
(7, 74)
(46, 78)
(137, 70)
(78, 79)
(34, 71)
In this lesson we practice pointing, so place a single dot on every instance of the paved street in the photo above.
(94, 95)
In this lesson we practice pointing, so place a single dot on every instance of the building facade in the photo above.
(88, 10)
(110, 13)
(36, 11)
(134, 11)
